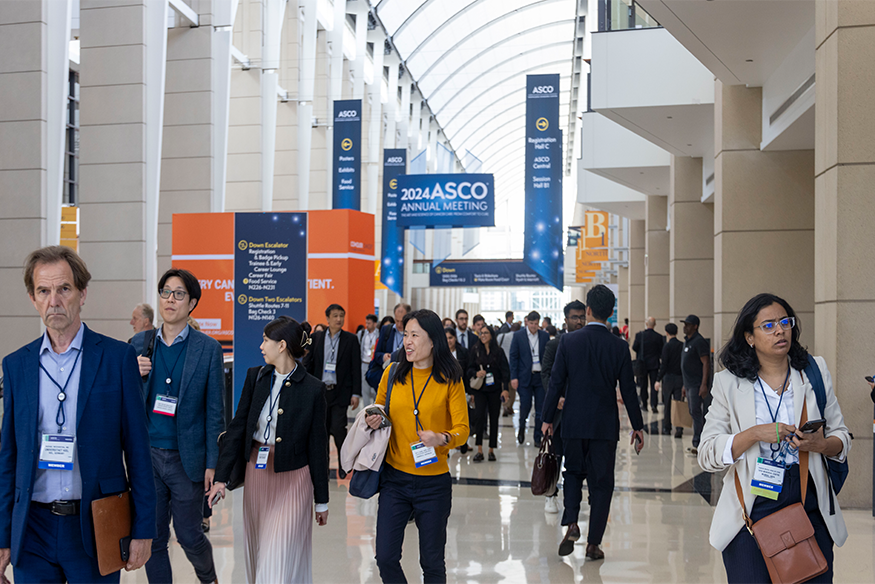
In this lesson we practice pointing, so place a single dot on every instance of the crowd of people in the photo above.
(89, 417)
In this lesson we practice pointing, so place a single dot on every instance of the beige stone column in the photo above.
(691, 246)
(845, 206)
(656, 270)
(23, 164)
(763, 215)
(113, 161)
(637, 245)
(622, 294)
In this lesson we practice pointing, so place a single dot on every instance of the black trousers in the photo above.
(487, 404)
(742, 557)
(335, 417)
(643, 378)
(592, 461)
(672, 388)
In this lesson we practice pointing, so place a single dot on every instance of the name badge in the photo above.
(331, 367)
(422, 454)
(56, 452)
(536, 367)
(768, 479)
(490, 379)
(536, 358)
(165, 405)
(261, 461)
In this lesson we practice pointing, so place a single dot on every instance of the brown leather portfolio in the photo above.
(112, 531)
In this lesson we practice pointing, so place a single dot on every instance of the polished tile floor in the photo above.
(498, 531)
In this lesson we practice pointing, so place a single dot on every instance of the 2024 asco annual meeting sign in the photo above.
(455, 200)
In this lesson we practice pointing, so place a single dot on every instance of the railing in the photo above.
(623, 15)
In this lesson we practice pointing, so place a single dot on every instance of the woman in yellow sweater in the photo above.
(429, 418)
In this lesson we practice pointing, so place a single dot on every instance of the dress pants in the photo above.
(52, 552)
(487, 404)
(648, 376)
(368, 393)
(592, 461)
(181, 499)
(335, 417)
(527, 393)
(672, 387)
(698, 409)
(742, 557)
(429, 499)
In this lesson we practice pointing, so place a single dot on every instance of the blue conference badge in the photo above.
(392, 247)
(543, 175)
(347, 174)
(270, 280)
(457, 200)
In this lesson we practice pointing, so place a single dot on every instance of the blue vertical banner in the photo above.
(543, 239)
(270, 280)
(347, 181)
(392, 248)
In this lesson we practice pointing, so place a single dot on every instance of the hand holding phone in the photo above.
(216, 498)
(812, 426)
(870, 379)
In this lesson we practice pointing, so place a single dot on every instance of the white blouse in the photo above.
(267, 411)
(766, 398)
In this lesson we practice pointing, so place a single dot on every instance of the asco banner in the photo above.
(459, 200)
(392, 249)
(347, 181)
(543, 187)
(487, 273)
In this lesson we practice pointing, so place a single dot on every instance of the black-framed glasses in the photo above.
(576, 317)
(771, 327)
(178, 294)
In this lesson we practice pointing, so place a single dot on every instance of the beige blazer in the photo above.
(732, 411)
(364, 448)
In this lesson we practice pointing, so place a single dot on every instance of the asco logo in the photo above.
(542, 89)
(346, 144)
(542, 124)
(347, 114)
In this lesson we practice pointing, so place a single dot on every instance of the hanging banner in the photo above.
(270, 279)
(458, 200)
(592, 246)
(347, 181)
(392, 248)
(486, 273)
(543, 175)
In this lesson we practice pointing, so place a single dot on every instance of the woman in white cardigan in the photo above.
(756, 408)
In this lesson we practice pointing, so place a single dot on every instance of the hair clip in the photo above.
(305, 339)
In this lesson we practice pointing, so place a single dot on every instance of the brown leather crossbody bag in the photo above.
(786, 537)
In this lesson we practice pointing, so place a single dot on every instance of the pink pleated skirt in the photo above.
(278, 522)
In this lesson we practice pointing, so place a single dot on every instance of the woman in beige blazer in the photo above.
(756, 399)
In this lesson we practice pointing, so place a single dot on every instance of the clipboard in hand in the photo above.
(112, 531)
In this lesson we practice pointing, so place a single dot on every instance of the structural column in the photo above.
(845, 171)
(691, 246)
(636, 297)
(656, 277)
(763, 215)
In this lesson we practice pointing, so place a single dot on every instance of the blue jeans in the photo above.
(52, 551)
(182, 499)
(429, 499)
(526, 393)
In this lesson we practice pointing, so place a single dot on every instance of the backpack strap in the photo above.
(391, 382)
(812, 371)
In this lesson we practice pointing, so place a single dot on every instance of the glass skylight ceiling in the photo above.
(470, 59)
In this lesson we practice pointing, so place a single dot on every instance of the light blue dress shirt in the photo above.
(332, 347)
(53, 484)
(180, 338)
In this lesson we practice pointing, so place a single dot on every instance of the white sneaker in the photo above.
(550, 505)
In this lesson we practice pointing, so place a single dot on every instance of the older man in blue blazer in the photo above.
(182, 389)
(79, 392)
(526, 355)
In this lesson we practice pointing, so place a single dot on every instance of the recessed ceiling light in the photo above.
(668, 117)
(749, 61)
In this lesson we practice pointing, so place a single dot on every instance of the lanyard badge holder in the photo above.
(264, 451)
(166, 404)
(768, 478)
(422, 455)
(57, 450)
(331, 361)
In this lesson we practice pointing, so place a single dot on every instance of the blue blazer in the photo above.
(521, 356)
(385, 342)
(111, 435)
(589, 363)
(200, 414)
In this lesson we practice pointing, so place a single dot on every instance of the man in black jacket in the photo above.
(335, 358)
(648, 348)
(670, 379)
(589, 364)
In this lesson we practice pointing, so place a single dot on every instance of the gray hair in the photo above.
(147, 311)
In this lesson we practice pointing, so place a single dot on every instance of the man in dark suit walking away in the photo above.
(79, 392)
(335, 360)
(648, 348)
(589, 364)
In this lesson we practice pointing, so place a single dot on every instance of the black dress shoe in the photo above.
(491, 457)
(594, 552)
(666, 431)
(478, 457)
(678, 432)
(341, 474)
(571, 536)
(521, 436)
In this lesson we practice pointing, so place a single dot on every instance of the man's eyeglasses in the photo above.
(575, 317)
(771, 327)
(178, 294)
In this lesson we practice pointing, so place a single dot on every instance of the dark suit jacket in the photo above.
(471, 339)
(302, 438)
(385, 342)
(521, 356)
(200, 415)
(349, 368)
(504, 328)
(111, 436)
(547, 363)
(648, 348)
(462, 355)
(591, 361)
(497, 365)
